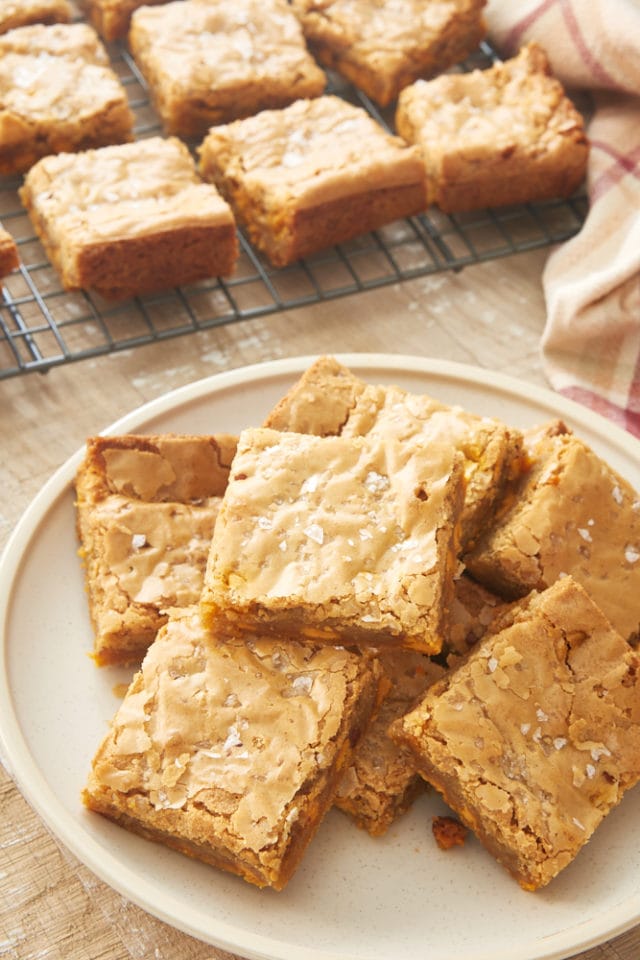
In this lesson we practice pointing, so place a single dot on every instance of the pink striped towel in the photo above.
(591, 341)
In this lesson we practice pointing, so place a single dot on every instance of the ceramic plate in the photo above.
(354, 897)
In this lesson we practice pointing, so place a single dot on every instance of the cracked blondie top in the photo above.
(210, 63)
(382, 45)
(571, 513)
(146, 507)
(504, 135)
(536, 737)
(57, 93)
(311, 175)
(230, 752)
(336, 540)
(329, 399)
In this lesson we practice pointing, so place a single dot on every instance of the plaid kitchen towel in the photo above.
(591, 341)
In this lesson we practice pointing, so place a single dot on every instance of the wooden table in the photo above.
(490, 314)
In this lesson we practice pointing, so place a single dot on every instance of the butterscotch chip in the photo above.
(130, 219)
(317, 173)
(9, 259)
(146, 507)
(382, 781)
(14, 14)
(230, 752)
(333, 540)
(210, 63)
(381, 47)
(57, 93)
(448, 832)
(505, 135)
(571, 513)
(535, 737)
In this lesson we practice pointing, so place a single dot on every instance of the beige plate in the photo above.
(353, 897)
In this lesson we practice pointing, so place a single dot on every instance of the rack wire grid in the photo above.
(43, 326)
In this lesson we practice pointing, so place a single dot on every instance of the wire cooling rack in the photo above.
(42, 325)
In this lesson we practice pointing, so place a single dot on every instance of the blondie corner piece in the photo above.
(319, 402)
(331, 540)
(381, 47)
(536, 737)
(112, 18)
(57, 94)
(231, 752)
(312, 175)
(130, 219)
(570, 513)
(146, 508)
(494, 137)
(211, 63)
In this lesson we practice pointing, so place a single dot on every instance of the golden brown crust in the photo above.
(231, 752)
(493, 137)
(82, 104)
(205, 66)
(146, 507)
(130, 219)
(381, 47)
(312, 175)
(536, 736)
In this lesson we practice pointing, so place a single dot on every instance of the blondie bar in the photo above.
(231, 752)
(57, 93)
(382, 781)
(381, 47)
(329, 399)
(335, 540)
(536, 737)
(146, 508)
(210, 63)
(315, 174)
(570, 513)
(130, 219)
(505, 135)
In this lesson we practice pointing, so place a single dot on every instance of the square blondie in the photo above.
(381, 47)
(20, 14)
(489, 138)
(312, 175)
(329, 399)
(570, 513)
(212, 62)
(57, 94)
(331, 540)
(231, 752)
(129, 219)
(536, 737)
(145, 508)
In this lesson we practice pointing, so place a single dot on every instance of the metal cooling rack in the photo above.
(42, 325)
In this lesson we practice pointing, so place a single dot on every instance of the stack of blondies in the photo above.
(370, 592)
